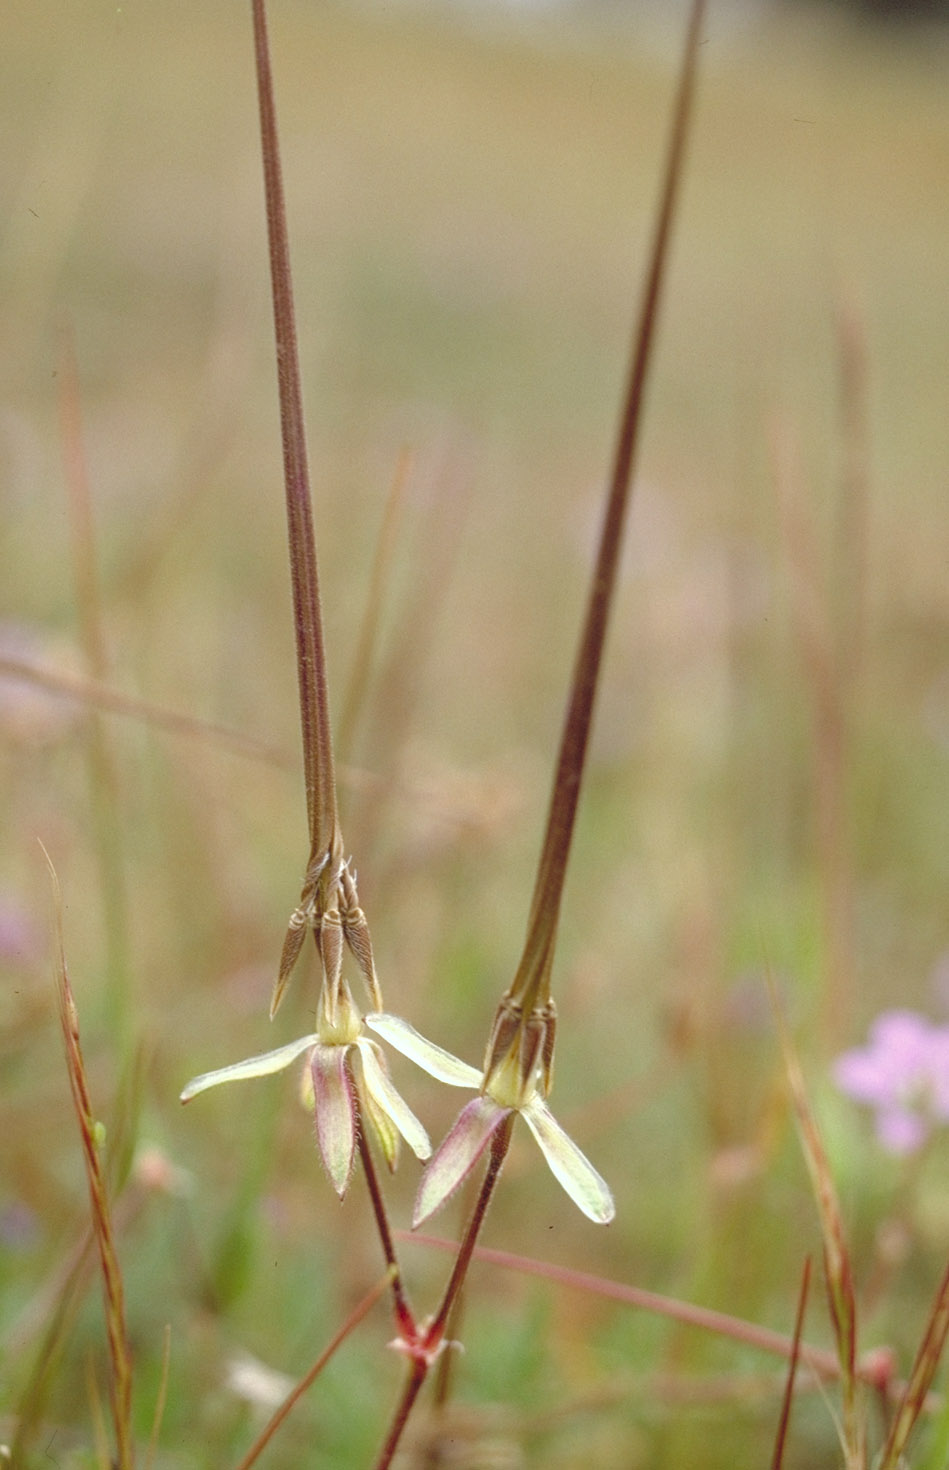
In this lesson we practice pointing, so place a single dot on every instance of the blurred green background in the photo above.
(470, 197)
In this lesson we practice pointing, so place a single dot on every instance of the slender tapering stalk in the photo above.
(533, 972)
(522, 1039)
(329, 903)
(308, 624)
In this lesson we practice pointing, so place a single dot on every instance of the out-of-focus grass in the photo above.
(469, 211)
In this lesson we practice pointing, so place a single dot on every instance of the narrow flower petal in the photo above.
(457, 1155)
(262, 1066)
(335, 1113)
(433, 1059)
(386, 1133)
(571, 1168)
(382, 1092)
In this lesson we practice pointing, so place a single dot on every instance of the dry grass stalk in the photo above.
(96, 695)
(367, 637)
(784, 1422)
(838, 1274)
(920, 1380)
(361, 1310)
(119, 1352)
(105, 798)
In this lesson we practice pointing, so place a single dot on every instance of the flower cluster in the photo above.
(329, 908)
(516, 1079)
(903, 1074)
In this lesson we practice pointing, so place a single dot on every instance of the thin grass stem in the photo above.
(103, 773)
(113, 1289)
(356, 1316)
(821, 1362)
(161, 1399)
(784, 1421)
(368, 636)
(101, 696)
(917, 1389)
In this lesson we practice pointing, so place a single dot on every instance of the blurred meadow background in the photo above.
(470, 197)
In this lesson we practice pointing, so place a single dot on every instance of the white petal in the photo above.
(391, 1102)
(262, 1066)
(457, 1154)
(433, 1059)
(571, 1168)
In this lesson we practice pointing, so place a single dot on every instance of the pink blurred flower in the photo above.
(904, 1074)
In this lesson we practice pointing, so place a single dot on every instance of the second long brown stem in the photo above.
(434, 1340)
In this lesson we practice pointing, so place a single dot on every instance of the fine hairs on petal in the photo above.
(457, 1155)
(433, 1059)
(262, 1066)
(569, 1166)
(335, 1113)
(389, 1101)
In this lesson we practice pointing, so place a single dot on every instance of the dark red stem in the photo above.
(432, 1342)
(405, 1319)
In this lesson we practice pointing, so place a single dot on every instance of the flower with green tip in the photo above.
(516, 1079)
(337, 1104)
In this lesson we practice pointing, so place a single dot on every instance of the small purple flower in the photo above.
(904, 1074)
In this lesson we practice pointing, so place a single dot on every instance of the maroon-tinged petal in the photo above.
(457, 1155)
(335, 1113)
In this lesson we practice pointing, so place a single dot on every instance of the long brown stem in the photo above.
(545, 906)
(434, 1337)
(308, 623)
